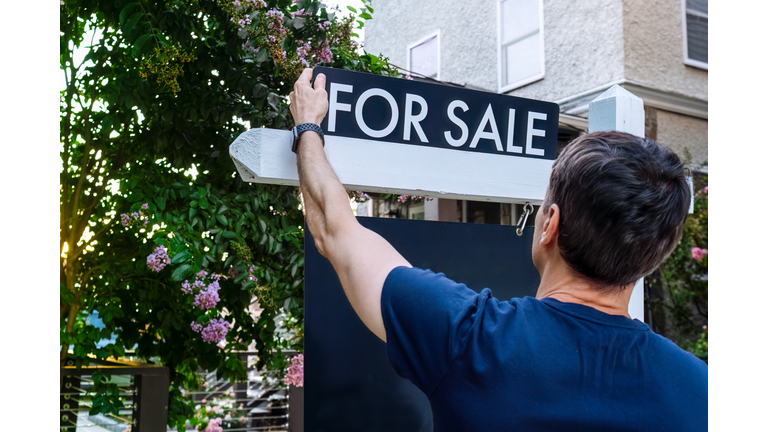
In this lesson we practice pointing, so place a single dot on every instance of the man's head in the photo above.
(622, 204)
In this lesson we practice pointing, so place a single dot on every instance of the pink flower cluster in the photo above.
(157, 260)
(209, 297)
(135, 217)
(360, 196)
(276, 22)
(295, 375)
(206, 296)
(698, 253)
(244, 21)
(251, 270)
(404, 198)
(303, 52)
(216, 330)
(324, 55)
(214, 426)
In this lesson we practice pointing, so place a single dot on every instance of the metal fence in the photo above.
(261, 404)
(142, 389)
(258, 404)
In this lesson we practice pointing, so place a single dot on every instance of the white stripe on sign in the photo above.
(264, 156)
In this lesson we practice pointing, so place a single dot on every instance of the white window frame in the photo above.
(435, 34)
(689, 61)
(500, 68)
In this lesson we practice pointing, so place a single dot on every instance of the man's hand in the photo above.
(309, 105)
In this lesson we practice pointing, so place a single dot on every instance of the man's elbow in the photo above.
(329, 238)
(320, 244)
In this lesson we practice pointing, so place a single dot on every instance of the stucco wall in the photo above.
(653, 43)
(583, 48)
(683, 133)
(467, 39)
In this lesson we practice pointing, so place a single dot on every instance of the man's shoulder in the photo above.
(672, 354)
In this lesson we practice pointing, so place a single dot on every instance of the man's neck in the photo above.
(561, 284)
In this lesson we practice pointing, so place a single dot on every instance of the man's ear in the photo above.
(551, 226)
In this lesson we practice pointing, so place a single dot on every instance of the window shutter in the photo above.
(521, 50)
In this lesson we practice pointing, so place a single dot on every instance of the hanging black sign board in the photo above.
(397, 110)
(349, 384)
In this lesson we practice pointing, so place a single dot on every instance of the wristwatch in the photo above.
(298, 130)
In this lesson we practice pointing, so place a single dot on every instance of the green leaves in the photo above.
(107, 399)
(135, 196)
(140, 43)
(127, 10)
(181, 272)
(180, 257)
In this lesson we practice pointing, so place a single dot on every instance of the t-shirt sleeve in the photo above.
(427, 318)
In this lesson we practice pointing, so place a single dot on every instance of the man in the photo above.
(570, 359)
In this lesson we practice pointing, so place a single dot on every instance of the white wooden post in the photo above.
(619, 110)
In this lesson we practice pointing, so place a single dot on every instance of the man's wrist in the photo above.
(300, 129)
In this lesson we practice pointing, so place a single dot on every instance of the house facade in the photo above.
(560, 51)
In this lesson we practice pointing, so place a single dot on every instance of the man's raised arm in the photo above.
(361, 258)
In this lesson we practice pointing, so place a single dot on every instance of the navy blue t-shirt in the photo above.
(535, 365)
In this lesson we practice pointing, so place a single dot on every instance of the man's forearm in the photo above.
(325, 200)
(361, 258)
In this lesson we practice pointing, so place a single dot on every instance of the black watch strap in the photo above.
(299, 129)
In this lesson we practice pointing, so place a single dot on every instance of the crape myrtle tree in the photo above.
(158, 234)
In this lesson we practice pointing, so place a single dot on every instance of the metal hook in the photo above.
(527, 210)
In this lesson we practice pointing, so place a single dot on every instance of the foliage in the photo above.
(682, 277)
(146, 120)
(224, 408)
(107, 399)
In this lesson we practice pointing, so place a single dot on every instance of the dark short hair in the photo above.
(623, 202)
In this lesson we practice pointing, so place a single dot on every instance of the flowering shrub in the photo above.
(677, 293)
(300, 36)
(144, 150)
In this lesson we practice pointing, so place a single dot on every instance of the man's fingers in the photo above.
(320, 82)
(304, 78)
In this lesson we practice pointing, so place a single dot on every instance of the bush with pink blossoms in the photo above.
(677, 293)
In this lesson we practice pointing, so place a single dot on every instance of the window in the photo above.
(695, 32)
(521, 43)
(423, 57)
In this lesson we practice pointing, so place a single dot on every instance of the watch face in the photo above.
(295, 133)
